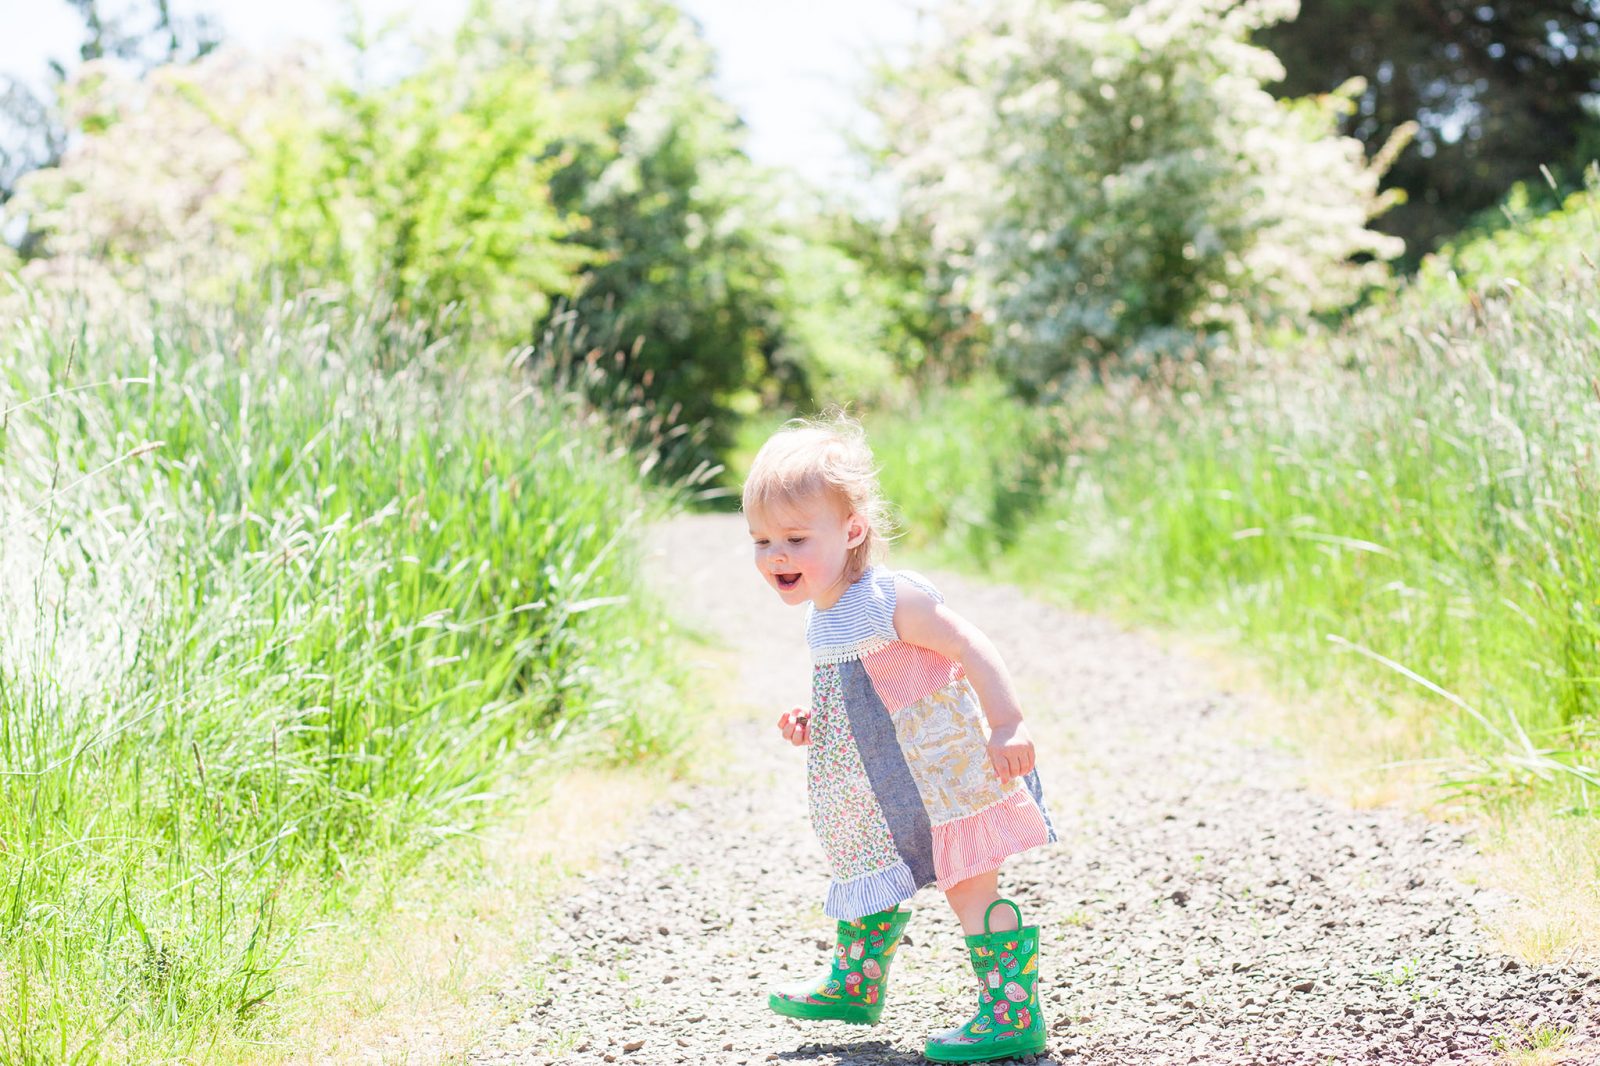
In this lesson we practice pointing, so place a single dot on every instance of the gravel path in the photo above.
(1200, 908)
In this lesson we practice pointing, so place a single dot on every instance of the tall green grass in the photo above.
(281, 589)
(1409, 501)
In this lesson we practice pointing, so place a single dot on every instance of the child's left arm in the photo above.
(922, 620)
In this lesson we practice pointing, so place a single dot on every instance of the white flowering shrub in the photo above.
(142, 192)
(1114, 180)
(431, 192)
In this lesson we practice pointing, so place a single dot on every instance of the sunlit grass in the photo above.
(1532, 1045)
(281, 589)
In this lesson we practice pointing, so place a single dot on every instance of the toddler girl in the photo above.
(907, 788)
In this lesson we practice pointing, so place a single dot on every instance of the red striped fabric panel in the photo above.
(978, 843)
(904, 673)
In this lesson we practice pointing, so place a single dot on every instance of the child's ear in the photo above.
(857, 532)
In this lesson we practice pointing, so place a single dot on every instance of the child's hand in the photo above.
(1011, 751)
(795, 725)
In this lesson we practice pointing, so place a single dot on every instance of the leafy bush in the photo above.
(140, 194)
(550, 160)
(433, 192)
(678, 218)
(1115, 181)
(1525, 247)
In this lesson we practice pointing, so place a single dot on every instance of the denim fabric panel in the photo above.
(1036, 790)
(886, 768)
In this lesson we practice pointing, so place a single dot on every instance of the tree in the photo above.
(32, 132)
(1496, 88)
(1116, 182)
(678, 219)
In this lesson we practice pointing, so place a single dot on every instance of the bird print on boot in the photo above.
(853, 988)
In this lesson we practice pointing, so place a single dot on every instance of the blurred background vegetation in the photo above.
(333, 398)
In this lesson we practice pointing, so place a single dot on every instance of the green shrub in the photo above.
(432, 192)
(679, 223)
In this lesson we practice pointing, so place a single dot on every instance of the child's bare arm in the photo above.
(922, 620)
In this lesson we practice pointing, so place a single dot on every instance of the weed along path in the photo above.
(1200, 908)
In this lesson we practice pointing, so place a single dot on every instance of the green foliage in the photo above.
(433, 192)
(1121, 184)
(958, 482)
(270, 608)
(1525, 247)
(552, 163)
(678, 219)
(840, 331)
(905, 299)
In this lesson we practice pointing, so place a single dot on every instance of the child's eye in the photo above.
(797, 540)
(761, 544)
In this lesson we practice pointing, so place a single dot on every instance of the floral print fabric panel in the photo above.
(844, 811)
(945, 748)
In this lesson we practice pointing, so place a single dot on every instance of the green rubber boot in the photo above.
(852, 990)
(1010, 1018)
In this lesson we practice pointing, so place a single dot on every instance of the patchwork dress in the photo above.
(902, 793)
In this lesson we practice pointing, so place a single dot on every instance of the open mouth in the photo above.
(787, 581)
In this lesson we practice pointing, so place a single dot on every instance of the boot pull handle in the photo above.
(1014, 909)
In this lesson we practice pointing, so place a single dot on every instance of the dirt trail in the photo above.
(1200, 908)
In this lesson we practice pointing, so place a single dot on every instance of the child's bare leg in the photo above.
(1010, 1019)
(970, 898)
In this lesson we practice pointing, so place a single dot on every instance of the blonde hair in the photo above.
(825, 457)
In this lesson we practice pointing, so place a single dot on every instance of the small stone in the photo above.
(1304, 986)
(633, 1045)
(728, 1046)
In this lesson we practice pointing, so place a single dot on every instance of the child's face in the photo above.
(802, 548)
